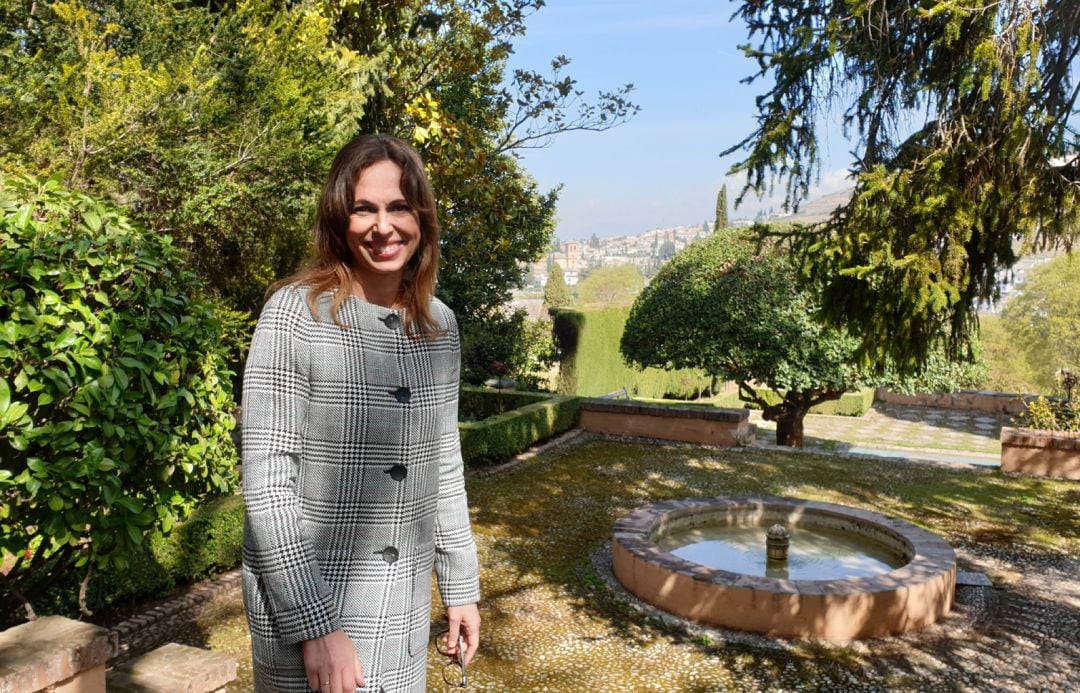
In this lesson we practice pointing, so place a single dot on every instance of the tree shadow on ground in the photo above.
(952, 419)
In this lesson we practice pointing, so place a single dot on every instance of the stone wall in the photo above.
(56, 653)
(60, 655)
(687, 424)
(1040, 453)
(965, 400)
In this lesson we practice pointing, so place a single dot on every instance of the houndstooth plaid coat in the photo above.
(353, 486)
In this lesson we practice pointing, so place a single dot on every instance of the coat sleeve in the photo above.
(275, 405)
(456, 567)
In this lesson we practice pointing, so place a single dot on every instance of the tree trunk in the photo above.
(789, 428)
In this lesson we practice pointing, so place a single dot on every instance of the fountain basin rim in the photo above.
(931, 555)
(909, 598)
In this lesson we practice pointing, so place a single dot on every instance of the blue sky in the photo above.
(663, 167)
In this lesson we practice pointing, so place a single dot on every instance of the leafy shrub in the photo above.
(937, 373)
(500, 437)
(114, 393)
(506, 344)
(1050, 415)
(207, 543)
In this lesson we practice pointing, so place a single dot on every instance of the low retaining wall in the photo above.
(61, 655)
(54, 653)
(964, 400)
(1040, 453)
(685, 424)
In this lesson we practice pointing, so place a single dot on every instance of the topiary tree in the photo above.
(736, 313)
(114, 395)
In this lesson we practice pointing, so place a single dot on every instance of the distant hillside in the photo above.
(821, 208)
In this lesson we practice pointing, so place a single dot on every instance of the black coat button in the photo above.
(397, 472)
(392, 321)
(402, 394)
(389, 554)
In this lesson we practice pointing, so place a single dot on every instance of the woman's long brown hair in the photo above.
(332, 267)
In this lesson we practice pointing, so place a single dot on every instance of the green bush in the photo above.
(114, 393)
(206, 544)
(850, 404)
(500, 437)
(1050, 415)
(506, 344)
(588, 341)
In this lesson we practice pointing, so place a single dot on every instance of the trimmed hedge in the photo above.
(478, 403)
(502, 436)
(850, 404)
(206, 544)
(209, 541)
(592, 365)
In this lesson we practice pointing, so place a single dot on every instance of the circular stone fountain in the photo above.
(911, 588)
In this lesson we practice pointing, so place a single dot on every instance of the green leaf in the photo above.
(130, 504)
(15, 412)
(92, 220)
(66, 339)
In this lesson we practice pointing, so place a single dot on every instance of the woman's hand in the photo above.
(332, 664)
(463, 620)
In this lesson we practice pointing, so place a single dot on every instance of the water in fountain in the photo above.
(815, 553)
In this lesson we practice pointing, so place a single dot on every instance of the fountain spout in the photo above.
(777, 540)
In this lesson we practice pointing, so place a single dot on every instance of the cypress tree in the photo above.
(556, 293)
(721, 209)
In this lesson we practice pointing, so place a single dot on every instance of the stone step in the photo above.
(173, 668)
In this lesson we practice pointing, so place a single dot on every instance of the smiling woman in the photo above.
(384, 233)
(352, 460)
(377, 196)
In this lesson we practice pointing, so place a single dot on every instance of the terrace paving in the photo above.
(925, 433)
(554, 622)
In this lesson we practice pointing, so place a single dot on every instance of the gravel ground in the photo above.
(553, 620)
